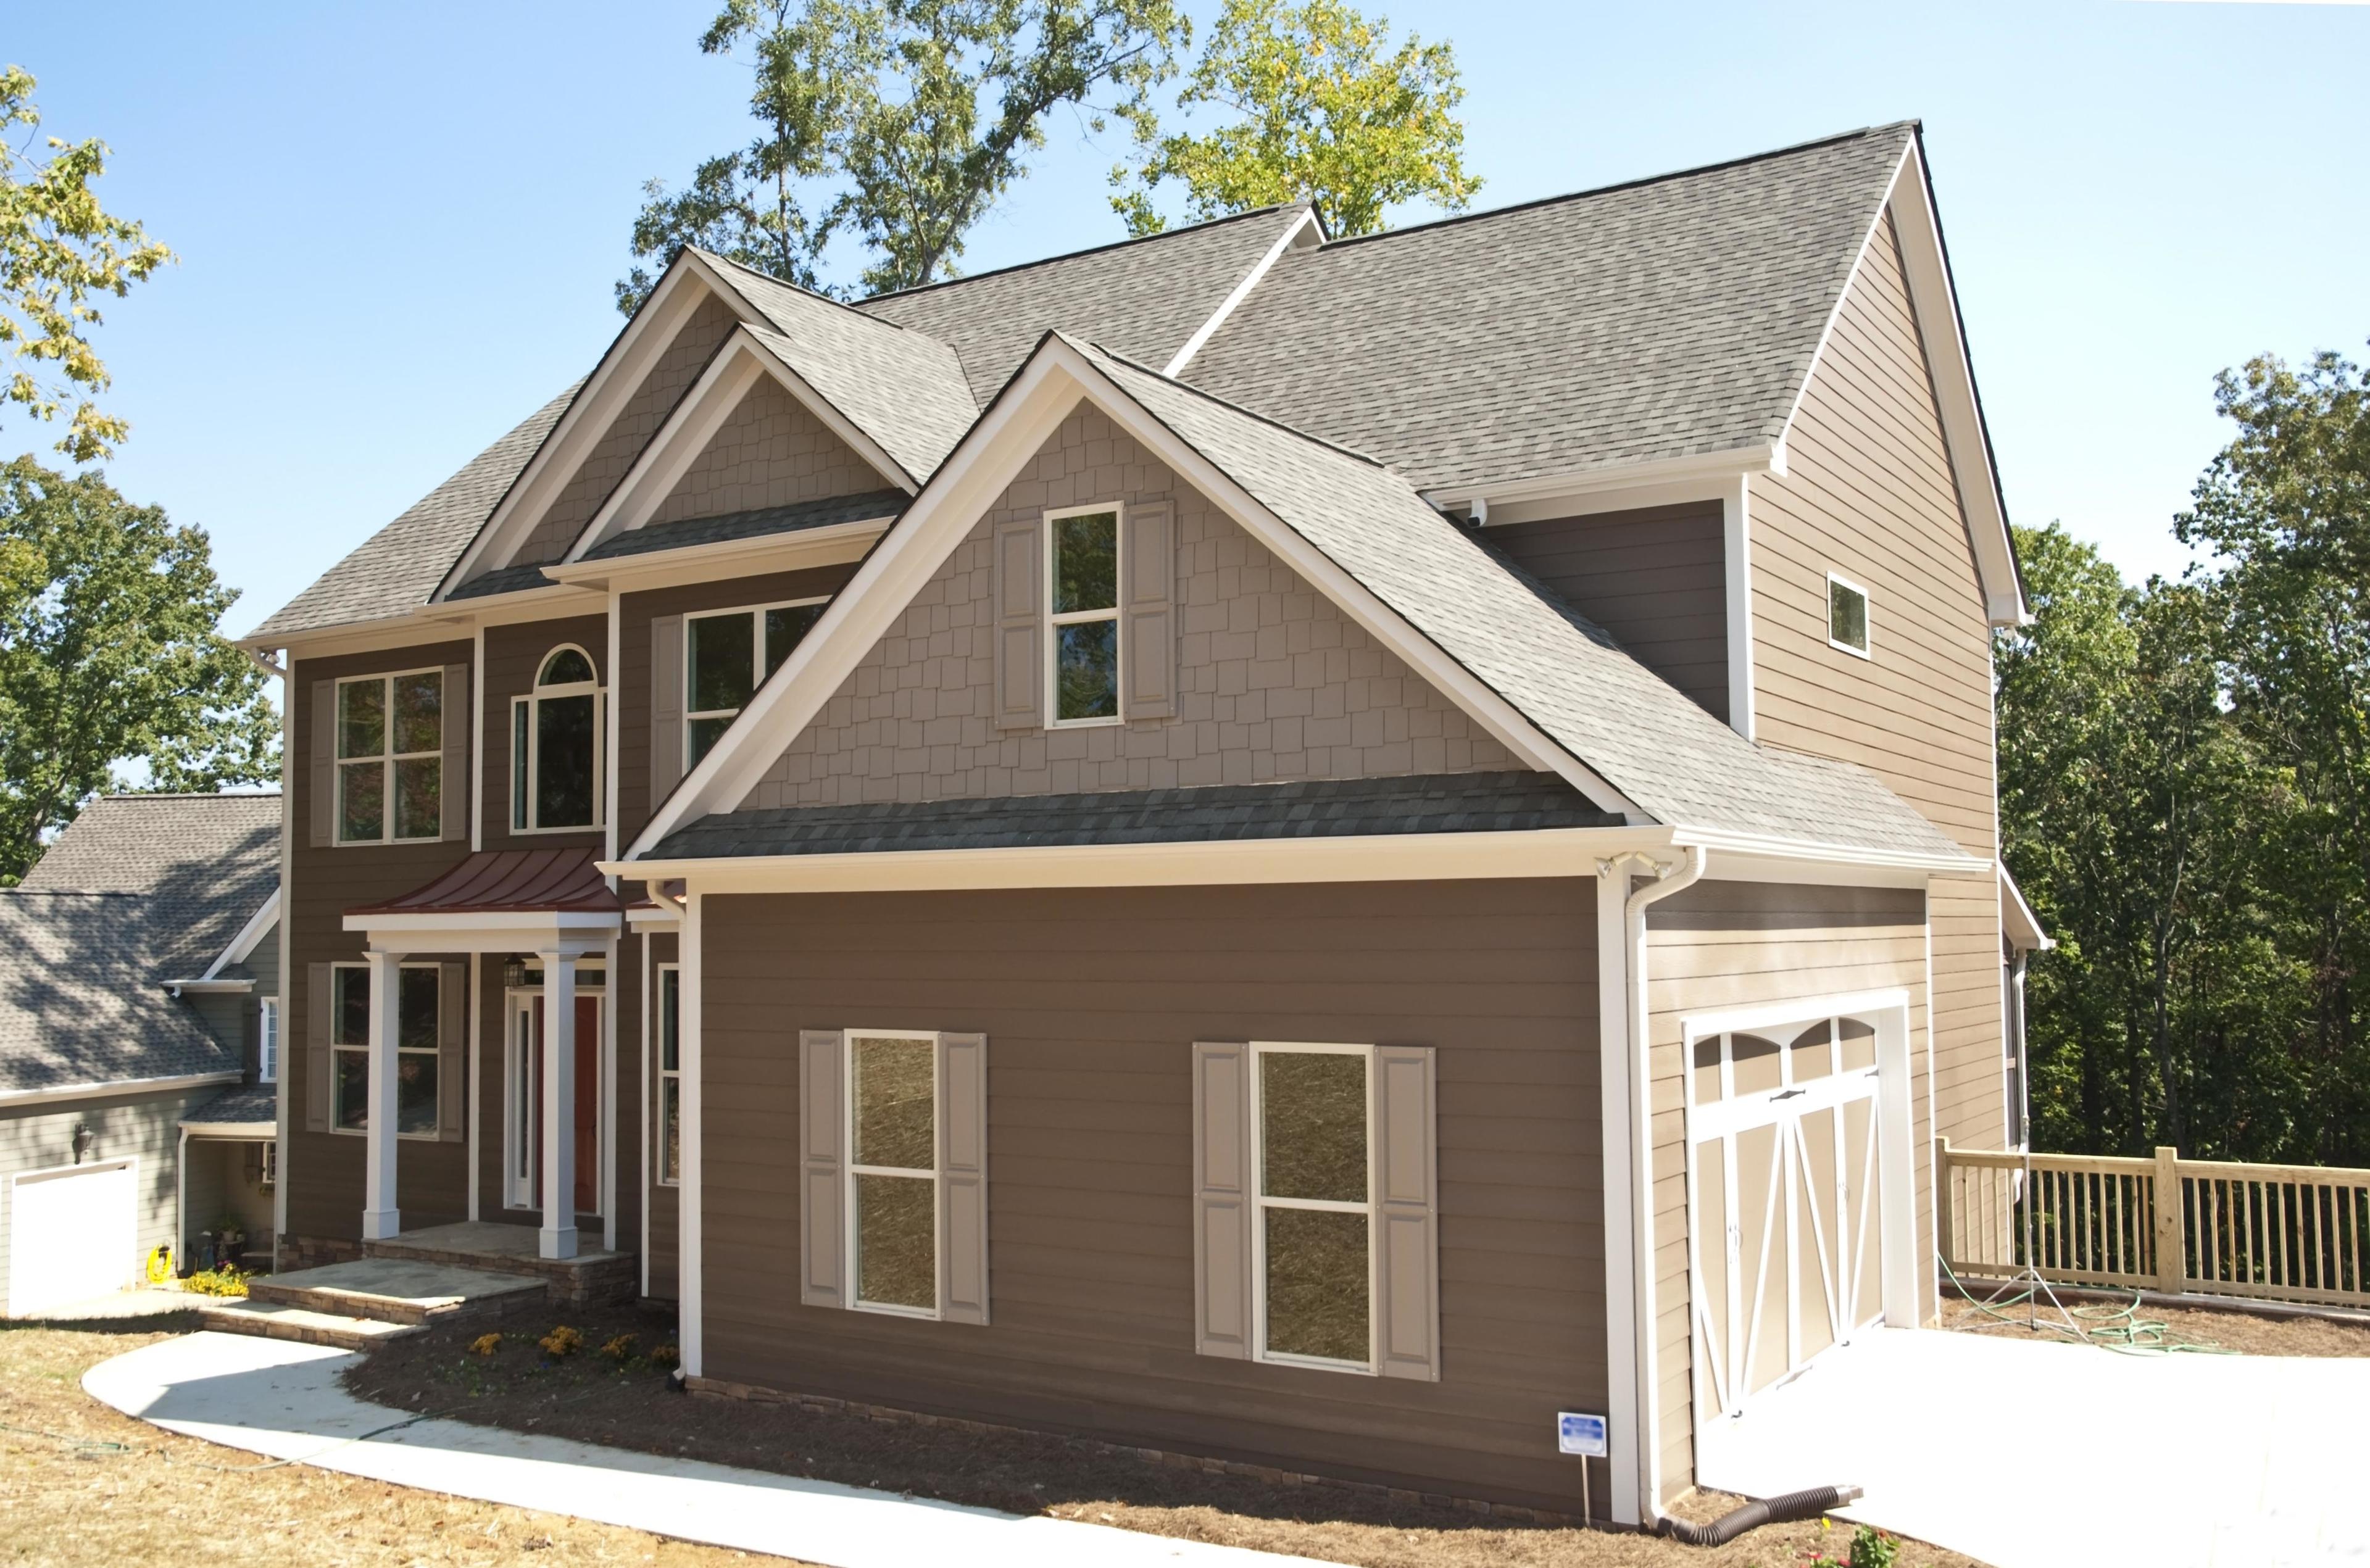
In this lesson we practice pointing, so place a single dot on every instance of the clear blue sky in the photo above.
(399, 224)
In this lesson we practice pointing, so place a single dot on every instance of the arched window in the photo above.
(556, 772)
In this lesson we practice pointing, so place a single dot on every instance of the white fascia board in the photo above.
(246, 1131)
(1304, 231)
(1410, 857)
(588, 415)
(203, 987)
(1029, 408)
(118, 1089)
(1609, 489)
(830, 546)
(660, 917)
(574, 931)
(2017, 920)
(248, 936)
(1758, 846)
(452, 620)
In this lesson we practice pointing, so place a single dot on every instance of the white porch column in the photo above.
(557, 1237)
(380, 1219)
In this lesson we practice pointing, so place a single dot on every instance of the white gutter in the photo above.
(1638, 1053)
(209, 986)
(10, 1099)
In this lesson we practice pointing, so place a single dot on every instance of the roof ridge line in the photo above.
(815, 294)
(857, 305)
(191, 795)
(1636, 184)
(1232, 407)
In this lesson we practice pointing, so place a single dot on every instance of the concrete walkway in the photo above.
(2036, 1455)
(284, 1401)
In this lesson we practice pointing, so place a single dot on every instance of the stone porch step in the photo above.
(401, 1290)
(592, 1277)
(277, 1320)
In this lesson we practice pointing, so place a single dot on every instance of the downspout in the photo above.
(1668, 880)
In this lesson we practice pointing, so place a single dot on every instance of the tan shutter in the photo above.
(1222, 1198)
(1020, 625)
(666, 707)
(1406, 1214)
(454, 782)
(962, 1178)
(324, 773)
(822, 1203)
(452, 1051)
(1150, 611)
(320, 1075)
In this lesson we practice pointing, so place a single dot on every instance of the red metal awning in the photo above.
(509, 882)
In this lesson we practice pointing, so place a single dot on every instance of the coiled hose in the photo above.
(1784, 1508)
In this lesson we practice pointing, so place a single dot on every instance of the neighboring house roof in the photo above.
(398, 568)
(1658, 319)
(139, 889)
(1453, 803)
(1143, 297)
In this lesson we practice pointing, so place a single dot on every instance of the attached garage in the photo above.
(73, 1233)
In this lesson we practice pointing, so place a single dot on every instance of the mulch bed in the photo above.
(2191, 1328)
(624, 1402)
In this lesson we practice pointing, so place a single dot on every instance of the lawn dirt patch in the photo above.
(624, 1402)
(2197, 1328)
(82, 1484)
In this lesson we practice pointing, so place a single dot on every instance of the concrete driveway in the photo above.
(2031, 1455)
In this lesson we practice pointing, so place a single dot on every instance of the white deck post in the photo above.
(557, 1237)
(380, 1219)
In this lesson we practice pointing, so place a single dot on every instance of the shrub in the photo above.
(664, 1355)
(621, 1349)
(485, 1344)
(561, 1342)
(222, 1281)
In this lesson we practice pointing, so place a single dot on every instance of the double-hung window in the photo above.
(1081, 609)
(556, 772)
(418, 1013)
(727, 655)
(670, 1075)
(1313, 1241)
(390, 757)
(892, 1189)
(267, 1040)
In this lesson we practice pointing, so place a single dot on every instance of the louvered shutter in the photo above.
(1407, 1214)
(1222, 1198)
(321, 1072)
(1149, 611)
(822, 1205)
(962, 1178)
(452, 1051)
(666, 707)
(1020, 625)
(453, 782)
(324, 772)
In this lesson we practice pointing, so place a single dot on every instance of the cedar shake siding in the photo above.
(1090, 1000)
(1655, 578)
(513, 654)
(1272, 681)
(631, 696)
(1869, 494)
(324, 1170)
(1721, 946)
(770, 451)
(694, 344)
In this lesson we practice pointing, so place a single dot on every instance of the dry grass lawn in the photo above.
(2202, 1328)
(81, 1484)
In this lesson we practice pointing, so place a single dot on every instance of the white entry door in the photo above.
(1786, 1239)
(73, 1234)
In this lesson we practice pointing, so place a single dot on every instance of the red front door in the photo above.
(587, 1104)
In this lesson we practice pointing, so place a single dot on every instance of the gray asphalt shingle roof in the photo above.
(1567, 676)
(1143, 297)
(717, 530)
(1658, 319)
(237, 1107)
(1321, 809)
(138, 890)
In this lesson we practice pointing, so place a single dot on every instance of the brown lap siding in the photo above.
(1090, 1000)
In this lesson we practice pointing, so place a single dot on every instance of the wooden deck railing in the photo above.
(2276, 1232)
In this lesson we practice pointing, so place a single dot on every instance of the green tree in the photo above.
(59, 252)
(109, 654)
(902, 122)
(1330, 112)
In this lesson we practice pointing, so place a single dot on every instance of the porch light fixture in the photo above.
(82, 1142)
(514, 971)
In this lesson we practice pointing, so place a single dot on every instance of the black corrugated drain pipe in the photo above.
(1785, 1508)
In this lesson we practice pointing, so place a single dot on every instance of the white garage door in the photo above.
(72, 1234)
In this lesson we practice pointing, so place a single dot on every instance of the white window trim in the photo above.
(847, 1141)
(270, 1176)
(518, 1192)
(433, 1134)
(1867, 616)
(531, 763)
(267, 1040)
(1260, 1203)
(1055, 620)
(660, 1074)
(386, 757)
(756, 613)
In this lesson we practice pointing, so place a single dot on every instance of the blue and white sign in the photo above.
(1578, 1434)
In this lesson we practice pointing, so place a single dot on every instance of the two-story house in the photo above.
(1298, 850)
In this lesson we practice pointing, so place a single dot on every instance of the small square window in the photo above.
(1847, 615)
